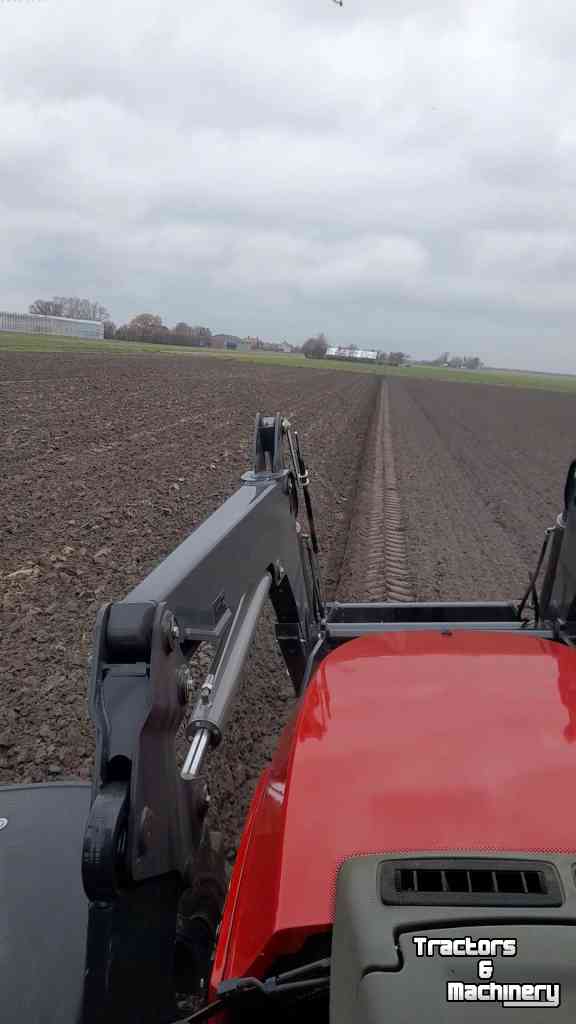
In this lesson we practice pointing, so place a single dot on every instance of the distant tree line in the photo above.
(77, 309)
(144, 327)
(149, 327)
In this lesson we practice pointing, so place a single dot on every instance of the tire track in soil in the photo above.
(462, 546)
(375, 566)
(512, 445)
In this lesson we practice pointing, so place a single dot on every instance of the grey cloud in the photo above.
(397, 174)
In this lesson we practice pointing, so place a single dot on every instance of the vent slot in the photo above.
(484, 881)
(508, 882)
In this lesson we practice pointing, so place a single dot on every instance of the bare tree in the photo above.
(82, 309)
(147, 327)
(441, 360)
(315, 348)
(201, 336)
(69, 306)
(182, 330)
(181, 334)
(46, 307)
(109, 329)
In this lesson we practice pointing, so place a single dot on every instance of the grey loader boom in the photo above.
(146, 826)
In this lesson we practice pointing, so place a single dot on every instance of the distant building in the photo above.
(33, 323)
(230, 342)
(238, 345)
(225, 341)
(359, 354)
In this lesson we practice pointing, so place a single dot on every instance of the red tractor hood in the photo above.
(413, 742)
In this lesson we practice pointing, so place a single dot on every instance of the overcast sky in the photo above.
(396, 173)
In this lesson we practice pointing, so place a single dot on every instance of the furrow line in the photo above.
(375, 566)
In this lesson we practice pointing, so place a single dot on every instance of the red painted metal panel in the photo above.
(415, 741)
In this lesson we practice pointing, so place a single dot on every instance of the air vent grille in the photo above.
(459, 880)
(480, 882)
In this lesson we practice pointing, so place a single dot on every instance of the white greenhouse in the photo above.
(32, 323)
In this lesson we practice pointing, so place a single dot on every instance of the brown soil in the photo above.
(481, 474)
(107, 463)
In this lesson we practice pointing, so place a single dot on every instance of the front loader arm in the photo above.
(557, 600)
(145, 840)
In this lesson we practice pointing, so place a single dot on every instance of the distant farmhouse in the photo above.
(268, 346)
(32, 323)
(365, 355)
(231, 341)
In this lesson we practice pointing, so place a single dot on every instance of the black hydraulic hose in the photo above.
(305, 481)
(301, 475)
(531, 589)
(301, 972)
(289, 983)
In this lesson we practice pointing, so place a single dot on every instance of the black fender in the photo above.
(43, 908)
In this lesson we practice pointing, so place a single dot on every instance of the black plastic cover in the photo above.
(43, 910)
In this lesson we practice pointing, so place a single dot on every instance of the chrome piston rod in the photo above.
(218, 691)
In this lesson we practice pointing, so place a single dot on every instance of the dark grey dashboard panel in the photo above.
(419, 991)
(377, 977)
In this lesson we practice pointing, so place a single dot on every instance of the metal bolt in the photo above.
(206, 693)
(170, 631)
